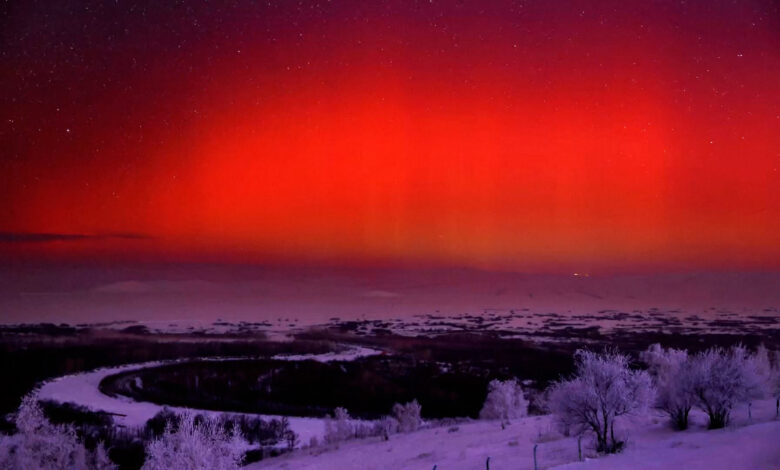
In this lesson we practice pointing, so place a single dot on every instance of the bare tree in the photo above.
(602, 389)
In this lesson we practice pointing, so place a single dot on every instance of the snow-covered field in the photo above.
(82, 389)
(748, 445)
(749, 442)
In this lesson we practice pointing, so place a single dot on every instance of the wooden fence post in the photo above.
(536, 467)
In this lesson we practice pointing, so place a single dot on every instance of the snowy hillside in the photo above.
(748, 445)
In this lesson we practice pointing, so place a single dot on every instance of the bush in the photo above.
(258, 431)
(408, 416)
(339, 427)
(602, 389)
(195, 445)
(254, 430)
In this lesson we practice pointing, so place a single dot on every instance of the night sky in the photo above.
(537, 135)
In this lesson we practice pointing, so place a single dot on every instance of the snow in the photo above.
(751, 447)
(82, 389)
(354, 352)
(745, 444)
(461, 447)
(175, 298)
(748, 445)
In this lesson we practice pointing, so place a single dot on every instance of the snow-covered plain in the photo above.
(177, 298)
(744, 445)
(83, 389)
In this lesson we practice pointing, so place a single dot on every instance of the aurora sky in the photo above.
(525, 135)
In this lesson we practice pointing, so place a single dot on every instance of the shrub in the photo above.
(339, 427)
(408, 416)
(201, 445)
(256, 430)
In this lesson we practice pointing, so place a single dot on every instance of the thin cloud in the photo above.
(26, 237)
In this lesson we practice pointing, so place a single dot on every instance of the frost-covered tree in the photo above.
(200, 444)
(339, 427)
(602, 389)
(723, 378)
(39, 444)
(408, 416)
(674, 385)
(505, 401)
